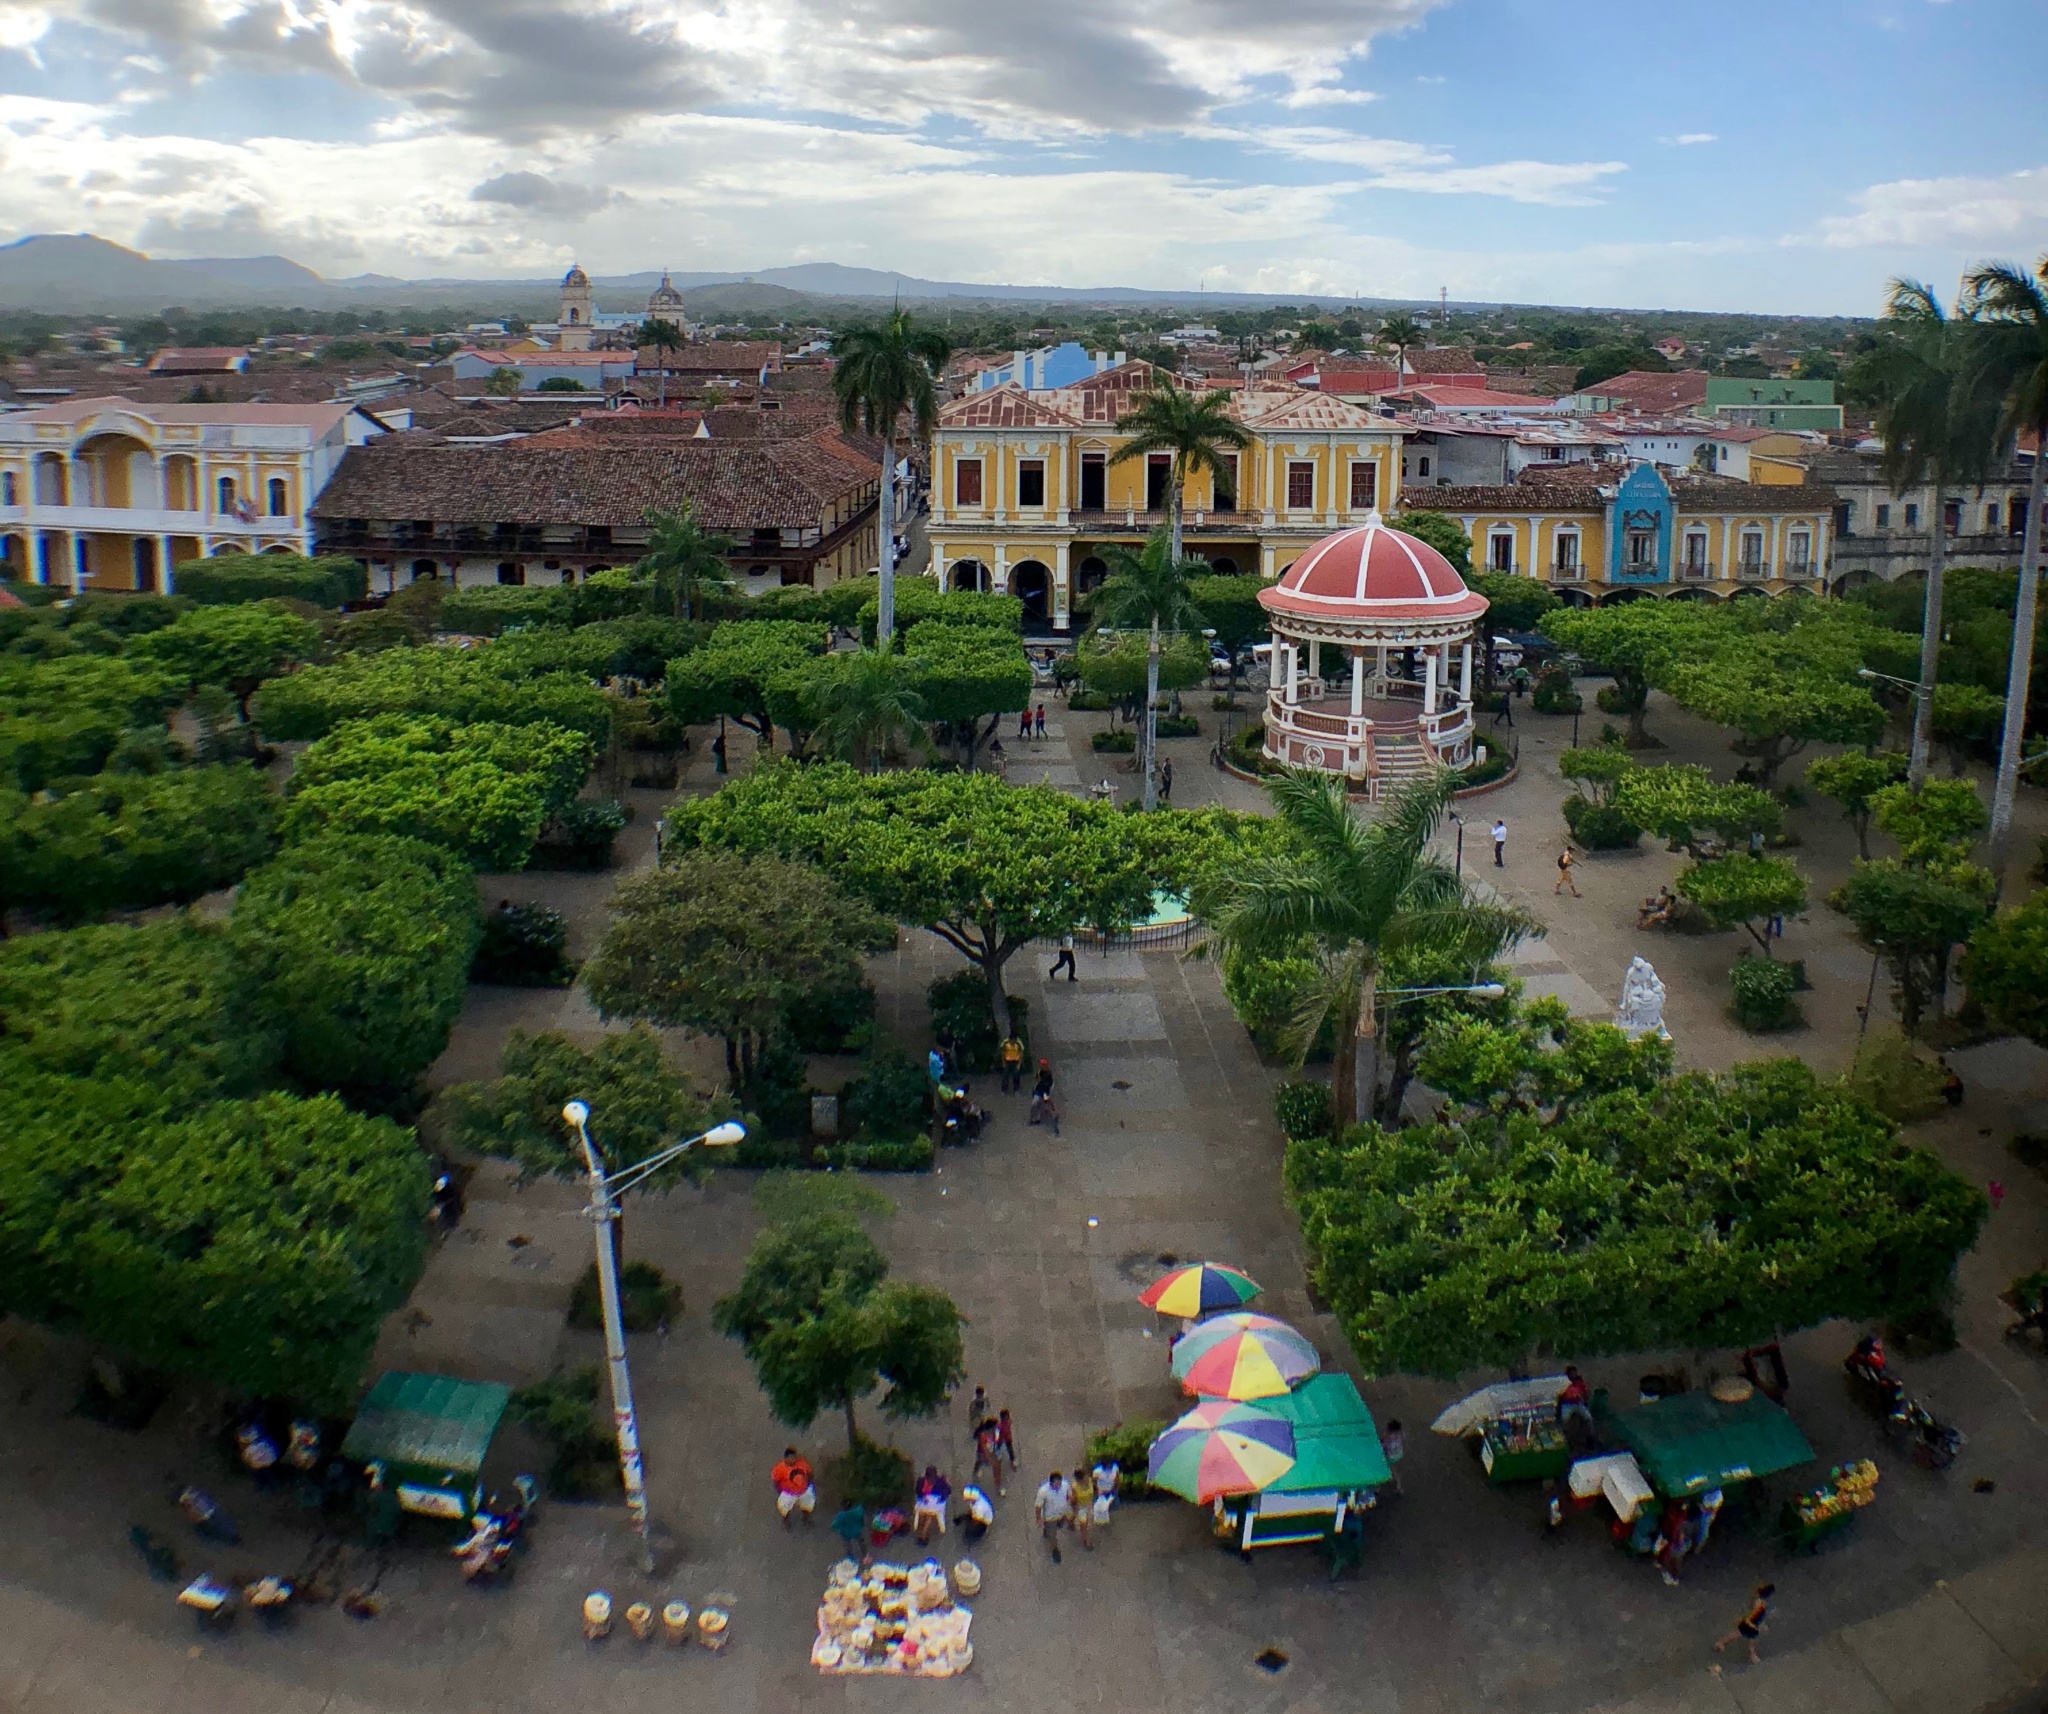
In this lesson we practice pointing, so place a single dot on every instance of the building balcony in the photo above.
(1572, 573)
(1696, 571)
(143, 521)
(1641, 571)
(1753, 570)
(1511, 569)
(1800, 570)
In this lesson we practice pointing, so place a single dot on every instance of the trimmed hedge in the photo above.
(491, 608)
(1763, 990)
(1599, 826)
(913, 1154)
(329, 581)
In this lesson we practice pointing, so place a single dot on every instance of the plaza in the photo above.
(1168, 1147)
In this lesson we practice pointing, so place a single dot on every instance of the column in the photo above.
(1062, 598)
(1357, 682)
(1465, 673)
(164, 578)
(1315, 658)
(79, 549)
(1293, 672)
(1429, 681)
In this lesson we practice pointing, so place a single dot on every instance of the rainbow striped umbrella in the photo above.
(1221, 1448)
(1198, 1288)
(1243, 1357)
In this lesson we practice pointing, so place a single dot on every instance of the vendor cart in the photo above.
(1811, 1518)
(1338, 1463)
(1690, 1442)
(426, 1437)
(1524, 1446)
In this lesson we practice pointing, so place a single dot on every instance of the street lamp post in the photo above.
(1916, 764)
(1459, 865)
(1485, 991)
(603, 1210)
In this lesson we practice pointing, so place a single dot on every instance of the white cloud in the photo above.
(1690, 139)
(1945, 211)
(1390, 164)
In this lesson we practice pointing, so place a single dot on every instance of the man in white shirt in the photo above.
(1055, 1509)
(1500, 844)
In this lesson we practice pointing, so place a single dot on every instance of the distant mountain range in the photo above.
(75, 271)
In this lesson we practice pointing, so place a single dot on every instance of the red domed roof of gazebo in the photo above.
(1372, 572)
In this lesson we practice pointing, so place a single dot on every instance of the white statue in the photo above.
(1641, 1011)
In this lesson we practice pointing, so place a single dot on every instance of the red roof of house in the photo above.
(1372, 572)
(1652, 390)
(1453, 398)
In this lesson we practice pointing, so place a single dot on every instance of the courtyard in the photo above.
(1168, 1147)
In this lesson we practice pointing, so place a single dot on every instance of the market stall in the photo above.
(1808, 1519)
(426, 1437)
(1338, 1463)
(899, 1619)
(1689, 1443)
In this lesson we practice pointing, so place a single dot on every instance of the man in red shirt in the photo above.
(796, 1489)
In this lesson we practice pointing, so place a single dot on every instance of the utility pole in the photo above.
(603, 1210)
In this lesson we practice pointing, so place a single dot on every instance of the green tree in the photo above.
(1681, 803)
(504, 382)
(2012, 311)
(2006, 968)
(507, 683)
(1851, 779)
(1937, 418)
(1632, 642)
(254, 1244)
(731, 675)
(361, 950)
(1359, 894)
(987, 867)
(865, 706)
(122, 841)
(1149, 591)
(882, 373)
(1914, 919)
(1230, 607)
(1196, 428)
(662, 336)
(1966, 717)
(1512, 603)
(1935, 826)
(730, 946)
(823, 1325)
(1584, 1201)
(1739, 892)
(1777, 706)
(1403, 332)
(685, 562)
(1448, 537)
(969, 677)
(1121, 667)
(236, 648)
(65, 716)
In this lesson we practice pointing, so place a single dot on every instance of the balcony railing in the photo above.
(1511, 569)
(1796, 569)
(1696, 571)
(1572, 573)
(1756, 570)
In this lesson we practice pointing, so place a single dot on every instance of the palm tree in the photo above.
(1936, 429)
(665, 337)
(2014, 351)
(1401, 332)
(881, 373)
(1149, 590)
(1361, 894)
(866, 704)
(1193, 426)
(685, 560)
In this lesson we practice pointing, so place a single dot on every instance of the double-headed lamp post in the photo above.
(1484, 990)
(1919, 761)
(603, 1210)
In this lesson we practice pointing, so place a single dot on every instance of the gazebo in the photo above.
(1400, 615)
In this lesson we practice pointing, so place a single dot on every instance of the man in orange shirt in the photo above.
(796, 1489)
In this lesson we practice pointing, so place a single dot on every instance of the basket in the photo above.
(1733, 1390)
(713, 1628)
(640, 1620)
(675, 1623)
(967, 1577)
(597, 1615)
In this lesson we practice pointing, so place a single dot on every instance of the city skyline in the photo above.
(1384, 148)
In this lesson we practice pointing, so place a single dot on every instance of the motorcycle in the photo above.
(1932, 1443)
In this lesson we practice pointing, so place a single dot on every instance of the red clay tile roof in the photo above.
(1649, 390)
(711, 357)
(1007, 406)
(1443, 360)
(1577, 488)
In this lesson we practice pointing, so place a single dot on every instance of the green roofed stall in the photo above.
(1338, 1461)
(429, 1434)
(1690, 1442)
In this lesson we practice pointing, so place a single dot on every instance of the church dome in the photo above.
(1372, 572)
(665, 296)
(575, 277)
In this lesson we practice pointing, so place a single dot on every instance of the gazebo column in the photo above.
(1315, 657)
(1429, 681)
(1465, 673)
(1293, 671)
(1357, 682)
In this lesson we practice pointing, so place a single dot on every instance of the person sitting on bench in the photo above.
(1657, 910)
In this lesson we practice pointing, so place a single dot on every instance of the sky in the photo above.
(1788, 156)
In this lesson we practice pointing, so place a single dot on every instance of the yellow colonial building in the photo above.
(1607, 532)
(111, 494)
(1026, 492)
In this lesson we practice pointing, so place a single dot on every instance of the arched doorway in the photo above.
(145, 564)
(1031, 583)
(968, 575)
(425, 570)
(1223, 565)
(1089, 574)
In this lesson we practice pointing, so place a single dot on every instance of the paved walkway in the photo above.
(1933, 1603)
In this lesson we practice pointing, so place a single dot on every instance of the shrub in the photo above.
(1121, 742)
(1487, 765)
(890, 1096)
(562, 1410)
(1900, 1080)
(1089, 702)
(911, 1154)
(491, 608)
(329, 581)
(1248, 749)
(1224, 701)
(872, 1475)
(647, 1298)
(524, 946)
(1599, 826)
(1763, 990)
(960, 1008)
(833, 1020)
(580, 835)
(1129, 1446)
(1179, 726)
(1264, 993)
(478, 685)
(1554, 692)
(1304, 1109)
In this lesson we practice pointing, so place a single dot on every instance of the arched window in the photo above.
(10, 495)
(224, 494)
(280, 497)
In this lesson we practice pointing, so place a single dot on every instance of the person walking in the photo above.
(850, 1525)
(979, 1411)
(1024, 723)
(988, 1452)
(718, 751)
(1043, 1108)
(996, 755)
(1500, 843)
(1166, 779)
(1010, 1062)
(1564, 874)
(1081, 1491)
(1053, 1506)
(1753, 1623)
(1395, 1445)
(1108, 1478)
(1006, 1437)
(1038, 720)
(1065, 961)
(796, 1488)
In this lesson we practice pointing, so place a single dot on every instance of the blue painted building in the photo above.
(1059, 366)
(1639, 527)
